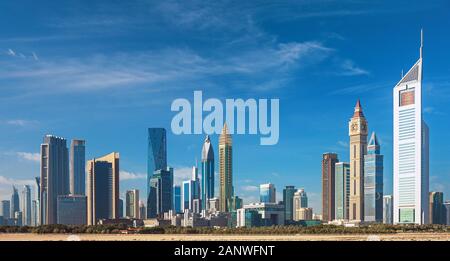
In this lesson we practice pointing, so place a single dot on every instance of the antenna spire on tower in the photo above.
(421, 43)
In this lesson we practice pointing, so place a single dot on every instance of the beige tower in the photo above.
(358, 148)
(225, 169)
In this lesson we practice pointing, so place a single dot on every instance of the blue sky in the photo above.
(105, 71)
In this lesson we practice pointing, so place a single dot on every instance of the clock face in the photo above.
(354, 126)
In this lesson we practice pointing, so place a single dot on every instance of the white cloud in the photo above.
(35, 157)
(249, 188)
(11, 52)
(181, 174)
(350, 69)
(343, 144)
(7, 183)
(20, 122)
(126, 175)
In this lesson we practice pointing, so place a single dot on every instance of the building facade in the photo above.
(342, 190)
(103, 188)
(329, 161)
(161, 185)
(14, 203)
(132, 203)
(72, 210)
(437, 210)
(26, 205)
(207, 172)
(54, 176)
(288, 201)
(300, 201)
(267, 193)
(5, 209)
(271, 213)
(358, 130)
(410, 159)
(388, 205)
(156, 160)
(225, 169)
(373, 182)
(303, 214)
(177, 199)
(77, 167)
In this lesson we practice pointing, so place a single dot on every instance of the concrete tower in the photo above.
(225, 169)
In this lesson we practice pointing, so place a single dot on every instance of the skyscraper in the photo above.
(288, 201)
(410, 159)
(207, 172)
(6, 209)
(72, 210)
(54, 176)
(156, 160)
(357, 127)
(15, 203)
(120, 208)
(26, 205)
(37, 212)
(300, 204)
(447, 212)
(77, 167)
(160, 197)
(342, 190)
(103, 188)
(191, 190)
(267, 193)
(328, 185)
(142, 210)
(437, 210)
(177, 199)
(388, 214)
(373, 182)
(132, 203)
(225, 168)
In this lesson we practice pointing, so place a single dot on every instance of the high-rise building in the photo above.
(6, 209)
(142, 210)
(26, 205)
(103, 188)
(388, 215)
(120, 208)
(300, 202)
(161, 185)
(37, 215)
(447, 212)
(18, 218)
(373, 182)
(54, 176)
(225, 168)
(132, 203)
(410, 159)
(357, 127)
(303, 214)
(328, 185)
(207, 172)
(267, 193)
(288, 201)
(234, 203)
(72, 210)
(156, 159)
(177, 199)
(191, 190)
(342, 190)
(15, 203)
(437, 210)
(34, 212)
(77, 167)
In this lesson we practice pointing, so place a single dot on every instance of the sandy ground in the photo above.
(173, 237)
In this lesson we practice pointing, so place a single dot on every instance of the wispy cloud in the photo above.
(249, 188)
(181, 174)
(20, 122)
(29, 156)
(348, 68)
(126, 175)
(343, 144)
(362, 88)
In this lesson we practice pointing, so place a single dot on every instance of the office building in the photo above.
(388, 205)
(437, 210)
(447, 212)
(15, 203)
(300, 202)
(329, 161)
(177, 199)
(121, 208)
(235, 203)
(161, 185)
(156, 160)
(37, 213)
(26, 205)
(103, 188)
(5, 209)
(303, 214)
(54, 177)
(358, 130)
(77, 167)
(72, 210)
(410, 146)
(272, 214)
(213, 205)
(288, 201)
(132, 203)
(373, 182)
(207, 188)
(142, 210)
(225, 169)
(342, 190)
(267, 193)
(34, 212)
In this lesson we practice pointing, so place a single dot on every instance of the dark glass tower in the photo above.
(373, 182)
(207, 172)
(77, 167)
(288, 201)
(156, 160)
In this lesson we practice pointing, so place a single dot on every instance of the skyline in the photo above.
(142, 93)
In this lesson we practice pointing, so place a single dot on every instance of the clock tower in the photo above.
(358, 148)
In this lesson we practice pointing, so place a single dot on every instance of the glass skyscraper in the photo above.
(54, 176)
(26, 205)
(15, 203)
(177, 199)
(288, 201)
(342, 190)
(267, 193)
(387, 209)
(132, 203)
(156, 160)
(72, 210)
(160, 196)
(373, 182)
(437, 210)
(207, 172)
(6, 210)
(77, 167)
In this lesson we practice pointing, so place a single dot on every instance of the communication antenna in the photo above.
(421, 43)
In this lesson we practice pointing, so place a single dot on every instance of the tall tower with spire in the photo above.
(207, 172)
(225, 169)
(411, 149)
(358, 148)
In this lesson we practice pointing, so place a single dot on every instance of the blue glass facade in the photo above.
(176, 199)
(161, 194)
(207, 172)
(342, 190)
(288, 201)
(267, 193)
(77, 167)
(156, 160)
(373, 182)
